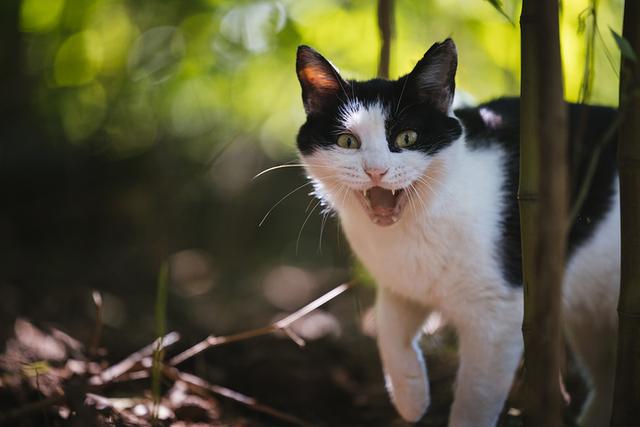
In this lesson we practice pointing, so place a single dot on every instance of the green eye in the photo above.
(347, 140)
(406, 139)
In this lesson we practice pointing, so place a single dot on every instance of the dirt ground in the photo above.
(49, 378)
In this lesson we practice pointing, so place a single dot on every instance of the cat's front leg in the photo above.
(490, 350)
(398, 322)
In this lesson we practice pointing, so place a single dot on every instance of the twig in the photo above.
(128, 363)
(133, 376)
(102, 402)
(97, 332)
(202, 387)
(295, 337)
(212, 341)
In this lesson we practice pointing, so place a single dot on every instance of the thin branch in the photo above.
(385, 25)
(199, 386)
(130, 361)
(212, 341)
(295, 337)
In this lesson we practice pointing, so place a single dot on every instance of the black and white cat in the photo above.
(427, 199)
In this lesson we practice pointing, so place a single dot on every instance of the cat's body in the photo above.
(427, 200)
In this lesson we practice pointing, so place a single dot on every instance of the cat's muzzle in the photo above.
(383, 206)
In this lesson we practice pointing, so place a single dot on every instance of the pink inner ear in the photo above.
(318, 79)
(491, 119)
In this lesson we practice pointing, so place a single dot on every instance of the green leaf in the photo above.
(625, 47)
(497, 4)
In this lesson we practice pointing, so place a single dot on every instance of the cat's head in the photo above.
(371, 143)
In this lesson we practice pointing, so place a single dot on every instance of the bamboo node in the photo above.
(527, 197)
(628, 314)
(628, 163)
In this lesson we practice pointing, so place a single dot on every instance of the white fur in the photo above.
(590, 298)
(441, 255)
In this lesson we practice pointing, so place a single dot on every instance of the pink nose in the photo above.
(376, 174)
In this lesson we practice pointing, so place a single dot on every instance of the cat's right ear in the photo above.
(320, 81)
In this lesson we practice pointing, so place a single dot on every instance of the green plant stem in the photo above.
(626, 410)
(543, 142)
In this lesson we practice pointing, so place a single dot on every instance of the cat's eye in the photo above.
(348, 140)
(406, 139)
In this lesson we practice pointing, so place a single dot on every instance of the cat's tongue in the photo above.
(384, 207)
(382, 201)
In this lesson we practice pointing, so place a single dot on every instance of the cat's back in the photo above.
(498, 122)
(592, 141)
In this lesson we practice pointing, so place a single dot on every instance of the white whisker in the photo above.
(281, 200)
(294, 165)
(305, 223)
(410, 199)
(415, 190)
(276, 168)
(404, 85)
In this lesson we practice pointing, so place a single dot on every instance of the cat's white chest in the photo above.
(435, 267)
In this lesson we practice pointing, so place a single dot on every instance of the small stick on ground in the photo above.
(199, 386)
(212, 341)
(127, 364)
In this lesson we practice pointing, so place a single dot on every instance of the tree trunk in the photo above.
(385, 25)
(543, 201)
(626, 406)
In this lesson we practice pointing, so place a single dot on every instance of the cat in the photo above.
(427, 198)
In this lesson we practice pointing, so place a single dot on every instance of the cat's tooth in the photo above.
(364, 193)
(394, 218)
(393, 192)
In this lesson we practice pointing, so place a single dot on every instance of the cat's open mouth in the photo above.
(383, 206)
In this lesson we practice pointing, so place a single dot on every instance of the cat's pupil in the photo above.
(348, 142)
(406, 138)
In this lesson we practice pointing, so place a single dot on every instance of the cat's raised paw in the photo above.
(410, 396)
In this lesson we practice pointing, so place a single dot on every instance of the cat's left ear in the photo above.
(320, 81)
(433, 78)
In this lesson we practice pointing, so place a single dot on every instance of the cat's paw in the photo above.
(409, 394)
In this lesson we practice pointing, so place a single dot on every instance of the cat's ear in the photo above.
(433, 78)
(320, 81)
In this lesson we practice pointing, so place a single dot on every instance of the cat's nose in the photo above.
(375, 174)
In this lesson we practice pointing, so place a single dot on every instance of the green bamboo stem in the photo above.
(626, 406)
(385, 26)
(542, 189)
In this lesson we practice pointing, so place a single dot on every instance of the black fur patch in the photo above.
(435, 130)
(587, 126)
(418, 101)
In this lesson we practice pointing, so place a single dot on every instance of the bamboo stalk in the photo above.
(385, 25)
(543, 201)
(626, 410)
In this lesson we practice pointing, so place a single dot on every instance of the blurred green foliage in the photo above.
(132, 130)
(131, 73)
